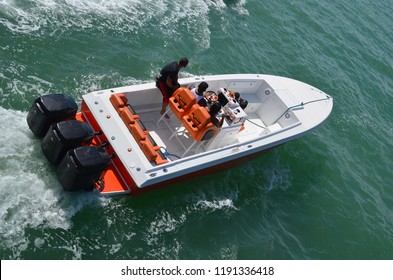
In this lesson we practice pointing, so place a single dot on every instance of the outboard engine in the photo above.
(64, 136)
(82, 167)
(49, 109)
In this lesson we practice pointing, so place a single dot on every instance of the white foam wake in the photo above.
(168, 18)
(31, 196)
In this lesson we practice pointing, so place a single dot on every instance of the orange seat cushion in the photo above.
(148, 150)
(127, 117)
(118, 101)
(137, 132)
(181, 101)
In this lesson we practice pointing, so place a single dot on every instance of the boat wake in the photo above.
(41, 17)
(31, 196)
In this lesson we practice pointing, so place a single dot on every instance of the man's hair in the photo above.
(203, 86)
(183, 61)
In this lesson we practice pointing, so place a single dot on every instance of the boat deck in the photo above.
(161, 131)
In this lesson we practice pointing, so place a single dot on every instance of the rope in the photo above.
(301, 105)
(261, 126)
(298, 105)
(168, 155)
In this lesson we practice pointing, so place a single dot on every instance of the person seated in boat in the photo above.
(208, 98)
(214, 111)
(207, 102)
(243, 103)
(167, 81)
(234, 94)
(240, 100)
(203, 102)
(200, 90)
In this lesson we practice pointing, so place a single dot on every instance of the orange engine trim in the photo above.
(115, 178)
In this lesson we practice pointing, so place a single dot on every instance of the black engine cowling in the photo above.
(82, 167)
(64, 136)
(49, 109)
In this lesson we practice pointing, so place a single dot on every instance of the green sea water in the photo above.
(327, 195)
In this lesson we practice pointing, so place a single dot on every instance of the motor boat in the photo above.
(117, 142)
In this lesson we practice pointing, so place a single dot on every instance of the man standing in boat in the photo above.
(167, 82)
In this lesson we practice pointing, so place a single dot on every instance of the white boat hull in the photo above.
(279, 110)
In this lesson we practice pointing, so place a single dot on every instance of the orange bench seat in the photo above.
(137, 129)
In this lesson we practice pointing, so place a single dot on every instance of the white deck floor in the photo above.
(162, 131)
